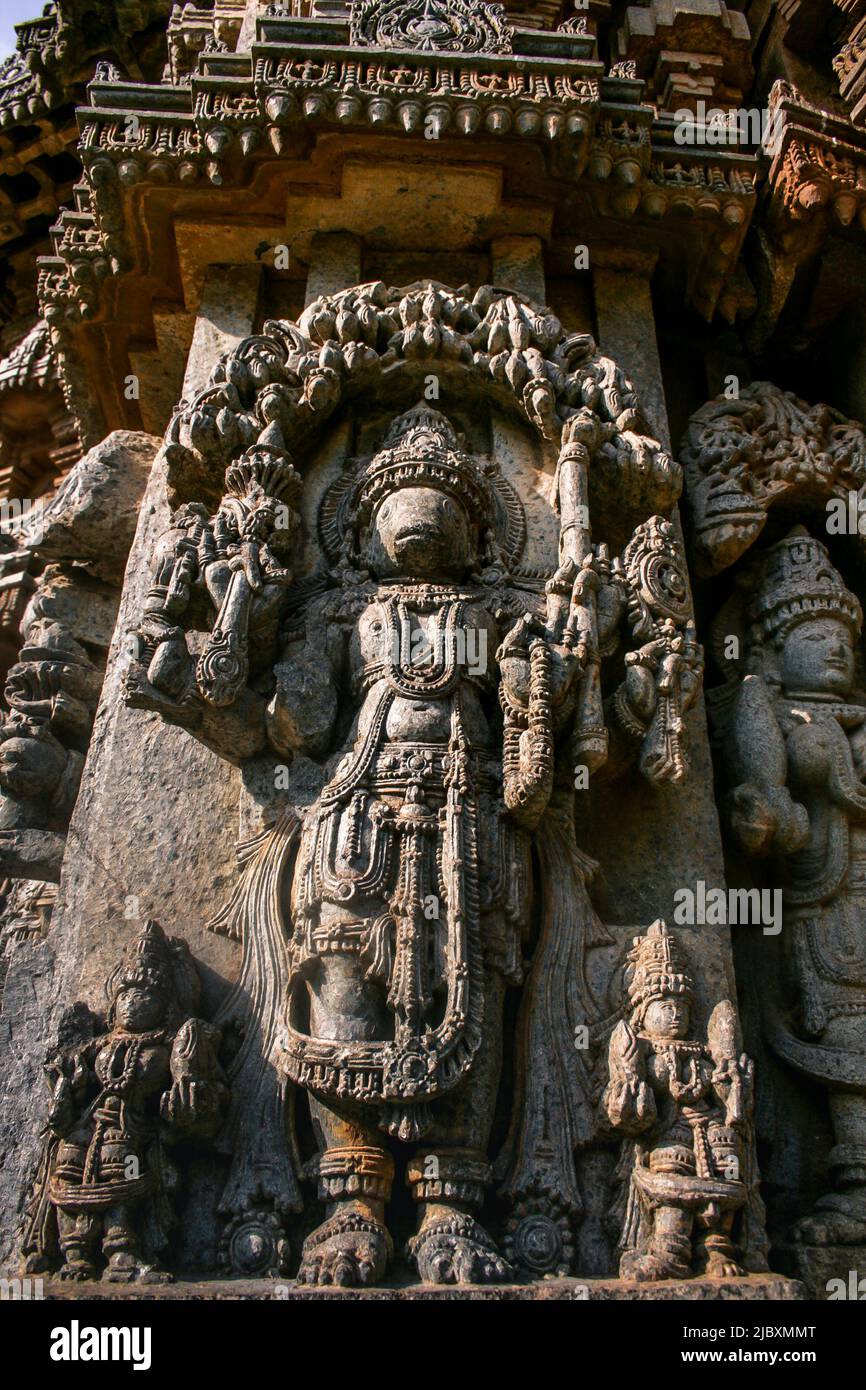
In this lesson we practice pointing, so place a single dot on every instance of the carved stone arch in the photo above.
(279, 389)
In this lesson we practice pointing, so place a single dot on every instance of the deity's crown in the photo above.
(798, 582)
(421, 449)
(153, 961)
(656, 968)
(147, 961)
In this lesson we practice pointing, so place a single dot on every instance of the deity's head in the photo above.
(155, 986)
(421, 501)
(659, 988)
(818, 656)
(810, 618)
(138, 1007)
(668, 1018)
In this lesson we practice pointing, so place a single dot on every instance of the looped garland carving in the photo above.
(279, 386)
(433, 26)
(743, 457)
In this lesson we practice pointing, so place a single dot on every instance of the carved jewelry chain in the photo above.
(116, 1085)
(528, 774)
(438, 678)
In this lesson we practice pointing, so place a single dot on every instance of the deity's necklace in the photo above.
(435, 678)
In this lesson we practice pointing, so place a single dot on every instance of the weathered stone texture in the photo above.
(445, 619)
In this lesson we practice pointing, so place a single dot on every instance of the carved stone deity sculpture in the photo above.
(51, 694)
(118, 1101)
(444, 699)
(684, 1104)
(796, 759)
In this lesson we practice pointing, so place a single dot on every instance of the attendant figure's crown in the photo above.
(798, 582)
(656, 969)
(161, 964)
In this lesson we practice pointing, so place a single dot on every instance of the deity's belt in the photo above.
(396, 765)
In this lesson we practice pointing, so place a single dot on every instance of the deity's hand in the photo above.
(571, 628)
(644, 451)
(610, 601)
(61, 1111)
(166, 685)
(183, 576)
(263, 576)
(192, 1107)
(68, 1077)
(584, 428)
(628, 1100)
(180, 1106)
(194, 1104)
(762, 817)
(513, 659)
(733, 1082)
(666, 665)
(218, 574)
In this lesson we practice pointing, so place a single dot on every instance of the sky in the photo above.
(12, 12)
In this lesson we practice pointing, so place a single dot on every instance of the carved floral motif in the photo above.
(431, 26)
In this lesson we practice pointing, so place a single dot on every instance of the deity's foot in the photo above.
(350, 1248)
(451, 1248)
(650, 1268)
(720, 1266)
(78, 1269)
(126, 1268)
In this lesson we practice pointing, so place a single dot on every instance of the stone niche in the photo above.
(406, 622)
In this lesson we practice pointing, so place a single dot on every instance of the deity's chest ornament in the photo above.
(434, 678)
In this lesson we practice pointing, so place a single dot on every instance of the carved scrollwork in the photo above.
(431, 26)
(767, 448)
